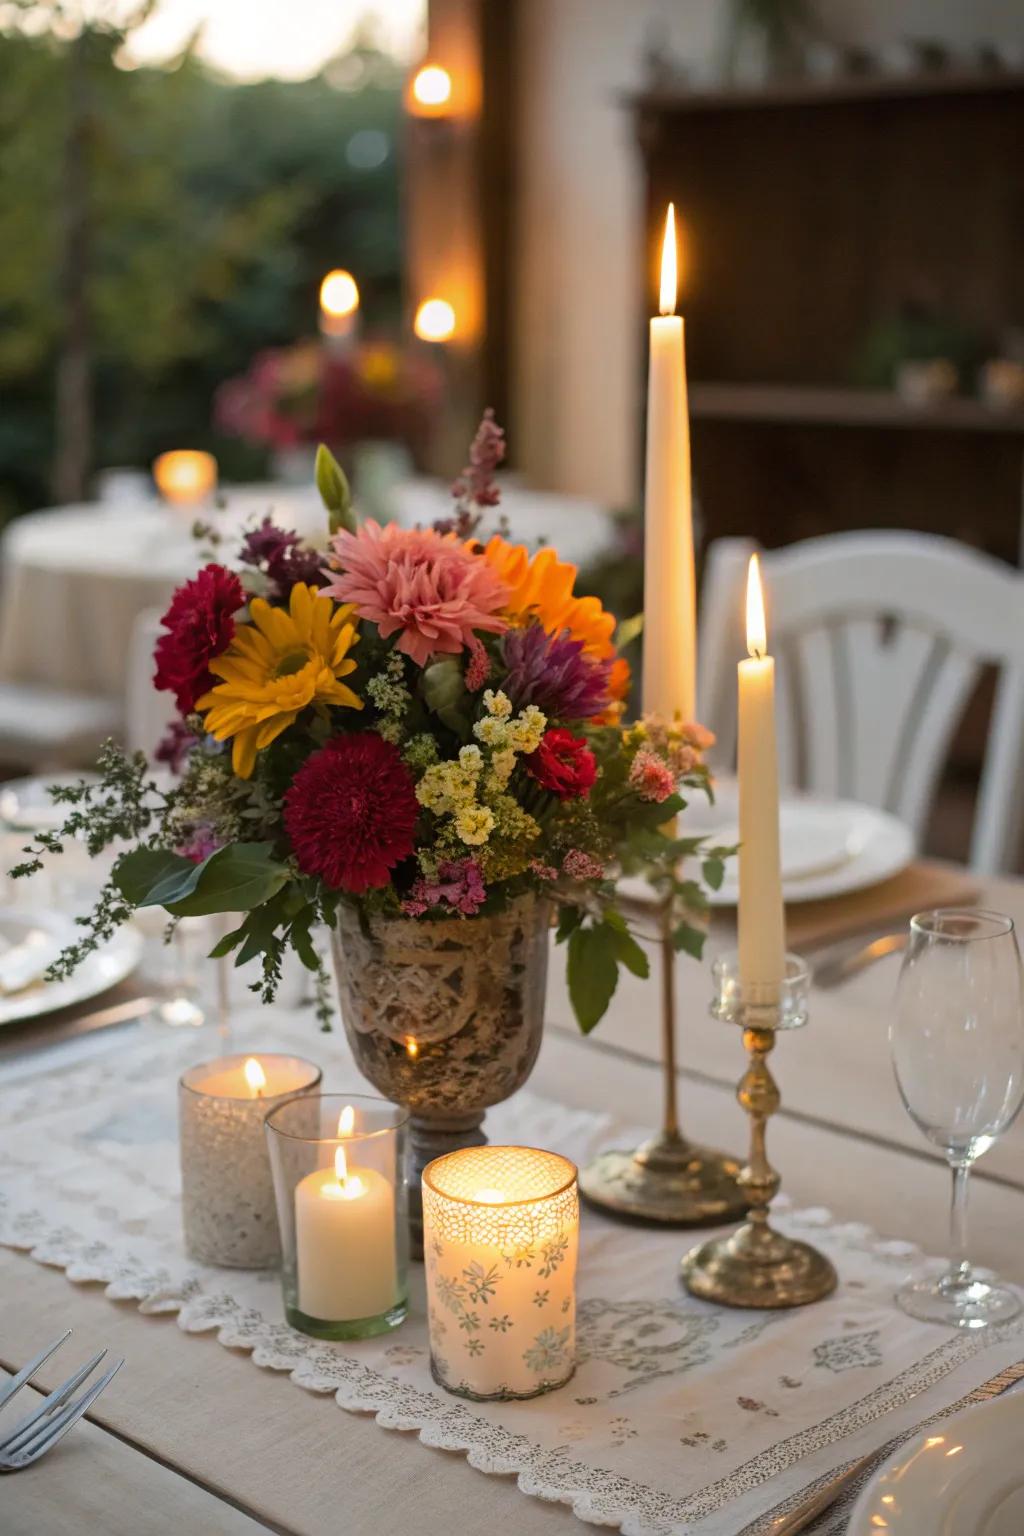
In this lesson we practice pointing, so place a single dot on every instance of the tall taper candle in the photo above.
(761, 913)
(670, 608)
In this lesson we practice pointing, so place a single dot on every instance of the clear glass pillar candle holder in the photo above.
(338, 1164)
(227, 1197)
(500, 1239)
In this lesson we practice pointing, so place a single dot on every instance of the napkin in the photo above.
(813, 924)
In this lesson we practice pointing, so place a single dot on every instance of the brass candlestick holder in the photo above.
(755, 1266)
(667, 1179)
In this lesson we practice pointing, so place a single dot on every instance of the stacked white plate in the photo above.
(828, 847)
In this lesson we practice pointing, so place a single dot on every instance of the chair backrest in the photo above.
(147, 713)
(879, 640)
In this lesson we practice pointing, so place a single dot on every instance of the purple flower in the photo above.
(459, 887)
(202, 840)
(476, 488)
(283, 558)
(552, 672)
(174, 746)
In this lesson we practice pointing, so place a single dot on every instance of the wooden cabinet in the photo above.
(809, 214)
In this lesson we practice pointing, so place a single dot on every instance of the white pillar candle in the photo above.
(500, 1238)
(762, 941)
(345, 1243)
(227, 1195)
(670, 605)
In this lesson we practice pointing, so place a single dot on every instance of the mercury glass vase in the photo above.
(444, 1018)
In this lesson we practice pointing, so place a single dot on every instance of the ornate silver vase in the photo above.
(443, 1017)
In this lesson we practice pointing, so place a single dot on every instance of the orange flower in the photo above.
(543, 587)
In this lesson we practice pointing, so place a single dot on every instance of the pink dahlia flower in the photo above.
(424, 585)
(651, 776)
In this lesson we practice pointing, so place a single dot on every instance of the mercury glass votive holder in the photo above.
(227, 1196)
(338, 1163)
(500, 1239)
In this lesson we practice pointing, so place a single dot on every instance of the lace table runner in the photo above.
(681, 1418)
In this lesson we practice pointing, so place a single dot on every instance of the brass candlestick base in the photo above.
(756, 1266)
(667, 1179)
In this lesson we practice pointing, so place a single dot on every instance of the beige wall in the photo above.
(579, 365)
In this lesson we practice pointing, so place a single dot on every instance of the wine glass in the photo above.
(957, 1044)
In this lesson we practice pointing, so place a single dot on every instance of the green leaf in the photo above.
(628, 631)
(689, 939)
(445, 693)
(332, 483)
(629, 952)
(154, 877)
(713, 871)
(569, 919)
(593, 975)
(229, 942)
(236, 878)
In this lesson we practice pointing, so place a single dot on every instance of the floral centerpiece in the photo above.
(374, 390)
(414, 741)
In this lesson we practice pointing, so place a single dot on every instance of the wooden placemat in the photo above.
(813, 924)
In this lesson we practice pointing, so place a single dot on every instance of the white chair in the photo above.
(879, 639)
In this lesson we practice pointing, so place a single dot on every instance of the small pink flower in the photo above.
(425, 586)
(582, 866)
(698, 736)
(479, 668)
(651, 776)
(543, 871)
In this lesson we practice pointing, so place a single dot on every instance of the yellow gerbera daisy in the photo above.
(543, 587)
(276, 666)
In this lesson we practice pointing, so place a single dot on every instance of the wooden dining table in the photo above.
(189, 1438)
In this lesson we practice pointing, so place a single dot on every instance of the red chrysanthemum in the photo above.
(351, 812)
(200, 625)
(564, 764)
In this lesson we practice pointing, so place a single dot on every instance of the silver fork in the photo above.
(51, 1419)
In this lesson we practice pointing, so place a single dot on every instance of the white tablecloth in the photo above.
(75, 579)
(683, 1419)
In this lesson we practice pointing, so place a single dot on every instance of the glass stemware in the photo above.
(957, 1043)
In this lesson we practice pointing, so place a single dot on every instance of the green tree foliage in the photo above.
(213, 211)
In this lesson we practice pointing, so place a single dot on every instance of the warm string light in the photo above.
(431, 88)
(435, 320)
(255, 1077)
(757, 629)
(669, 289)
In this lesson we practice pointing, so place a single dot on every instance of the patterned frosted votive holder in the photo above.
(338, 1164)
(227, 1197)
(500, 1239)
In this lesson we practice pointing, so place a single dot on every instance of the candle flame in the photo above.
(340, 1166)
(346, 1121)
(255, 1076)
(669, 265)
(412, 1047)
(757, 629)
(339, 294)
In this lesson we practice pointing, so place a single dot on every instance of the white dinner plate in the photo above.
(963, 1477)
(32, 939)
(828, 847)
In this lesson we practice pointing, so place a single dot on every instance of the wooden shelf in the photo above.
(807, 405)
(809, 91)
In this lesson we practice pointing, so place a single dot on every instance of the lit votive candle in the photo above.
(500, 1238)
(227, 1196)
(338, 1165)
(186, 477)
